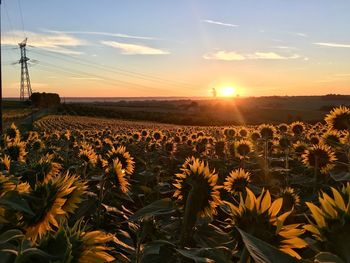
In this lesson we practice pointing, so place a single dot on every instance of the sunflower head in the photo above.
(198, 181)
(290, 199)
(297, 128)
(330, 222)
(117, 176)
(300, 147)
(260, 217)
(331, 138)
(319, 157)
(243, 148)
(243, 132)
(339, 119)
(79, 245)
(124, 158)
(13, 133)
(255, 136)
(267, 131)
(283, 128)
(46, 168)
(16, 150)
(237, 181)
(157, 135)
(88, 155)
(229, 133)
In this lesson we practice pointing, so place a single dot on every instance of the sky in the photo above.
(146, 48)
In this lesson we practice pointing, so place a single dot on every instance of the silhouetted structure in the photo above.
(213, 91)
(25, 88)
(45, 100)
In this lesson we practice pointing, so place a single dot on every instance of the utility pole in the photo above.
(1, 123)
(25, 88)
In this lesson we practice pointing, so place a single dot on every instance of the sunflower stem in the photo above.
(245, 257)
(190, 216)
(315, 175)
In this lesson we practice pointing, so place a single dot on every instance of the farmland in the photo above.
(93, 189)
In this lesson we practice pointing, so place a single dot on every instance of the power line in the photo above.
(21, 14)
(99, 78)
(112, 69)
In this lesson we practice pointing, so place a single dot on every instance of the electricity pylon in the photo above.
(25, 89)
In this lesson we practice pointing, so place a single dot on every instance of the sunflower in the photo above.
(237, 181)
(16, 150)
(46, 168)
(283, 128)
(117, 176)
(290, 198)
(243, 148)
(267, 131)
(78, 245)
(331, 221)
(88, 155)
(260, 217)
(297, 128)
(74, 197)
(124, 158)
(13, 133)
(339, 119)
(46, 200)
(331, 138)
(319, 157)
(197, 181)
(229, 133)
(300, 147)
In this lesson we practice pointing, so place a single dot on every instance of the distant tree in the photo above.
(45, 100)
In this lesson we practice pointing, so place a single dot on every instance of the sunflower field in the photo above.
(81, 189)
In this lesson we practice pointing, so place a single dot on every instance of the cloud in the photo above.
(234, 56)
(219, 23)
(134, 49)
(271, 55)
(55, 42)
(332, 45)
(224, 55)
(97, 33)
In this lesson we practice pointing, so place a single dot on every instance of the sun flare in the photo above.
(227, 91)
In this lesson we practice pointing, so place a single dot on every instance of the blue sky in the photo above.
(179, 48)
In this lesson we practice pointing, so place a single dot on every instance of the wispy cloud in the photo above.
(224, 55)
(235, 56)
(219, 23)
(98, 33)
(55, 42)
(135, 49)
(338, 45)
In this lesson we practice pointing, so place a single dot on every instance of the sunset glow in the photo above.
(136, 49)
(227, 91)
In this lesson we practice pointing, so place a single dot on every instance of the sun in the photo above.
(227, 91)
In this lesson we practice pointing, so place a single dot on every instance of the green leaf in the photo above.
(340, 176)
(326, 257)
(13, 200)
(10, 235)
(217, 255)
(263, 252)
(159, 207)
(192, 254)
